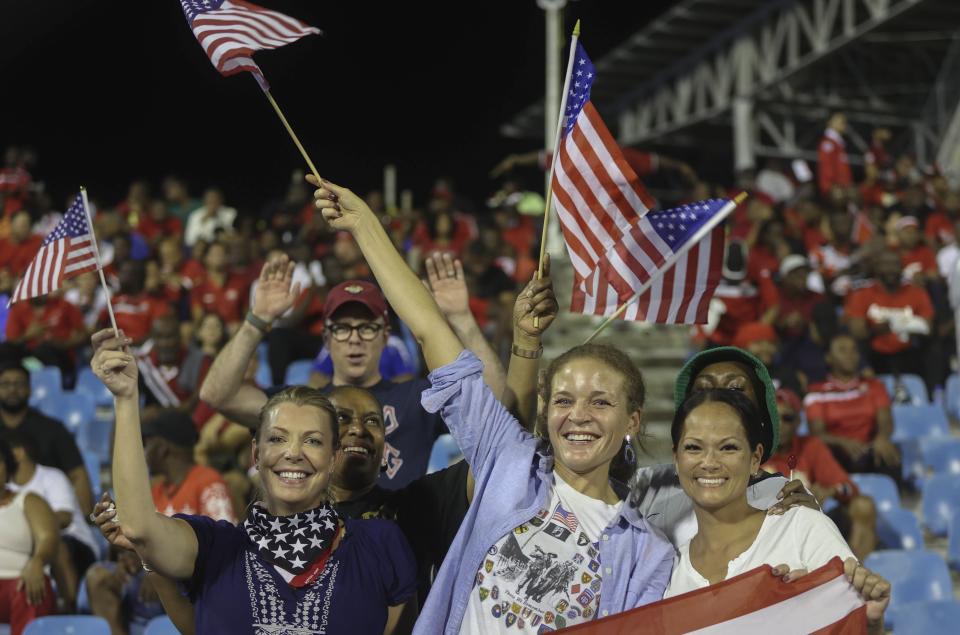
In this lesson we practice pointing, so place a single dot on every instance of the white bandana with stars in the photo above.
(291, 542)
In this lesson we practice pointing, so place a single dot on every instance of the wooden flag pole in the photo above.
(548, 200)
(672, 260)
(96, 253)
(293, 135)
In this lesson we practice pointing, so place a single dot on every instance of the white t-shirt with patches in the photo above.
(544, 572)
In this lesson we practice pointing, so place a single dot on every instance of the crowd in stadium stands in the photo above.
(832, 278)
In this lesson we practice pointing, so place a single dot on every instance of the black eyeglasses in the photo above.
(367, 331)
(788, 418)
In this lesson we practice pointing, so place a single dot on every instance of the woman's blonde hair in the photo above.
(302, 396)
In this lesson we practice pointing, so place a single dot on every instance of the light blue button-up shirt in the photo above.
(514, 478)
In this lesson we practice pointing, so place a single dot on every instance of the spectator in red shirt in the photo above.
(771, 247)
(815, 466)
(919, 261)
(134, 309)
(801, 315)
(18, 250)
(833, 166)
(851, 413)
(938, 229)
(836, 260)
(48, 328)
(735, 302)
(15, 180)
(220, 292)
(890, 314)
(161, 361)
(159, 224)
(761, 341)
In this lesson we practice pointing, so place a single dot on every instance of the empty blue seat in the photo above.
(45, 383)
(952, 396)
(76, 411)
(913, 384)
(881, 488)
(915, 422)
(161, 626)
(95, 439)
(68, 625)
(445, 451)
(916, 576)
(899, 529)
(92, 463)
(90, 384)
(941, 455)
(929, 618)
(298, 372)
(911, 461)
(941, 499)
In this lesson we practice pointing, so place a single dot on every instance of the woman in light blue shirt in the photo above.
(548, 539)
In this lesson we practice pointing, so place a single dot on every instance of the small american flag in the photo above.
(67, 251)
(230, 31)
(568, 519)
(673, 258)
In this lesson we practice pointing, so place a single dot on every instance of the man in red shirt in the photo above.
(158, 223)
(851, 414)
(171, 376)
(833, 166)
(856, 515)
(133, 308)
(919, 260)
(219, 292)
(894, 316)
(48, 328)
(18, 250)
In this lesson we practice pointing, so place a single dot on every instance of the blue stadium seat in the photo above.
(90, 384)
(912, 383)
(76, 410)
(92, 463)
(45, 384)
(95, 439)
(911, 460)
(881, 488)
(263, 378)
(68, 625)
(914, 422)
(298, 372)
(941, 455)
(941, 498)
(445, 451)
(929, 618)
(916, 576)
(899, 529)
(953, 542)
(161, 626)
(952, 396)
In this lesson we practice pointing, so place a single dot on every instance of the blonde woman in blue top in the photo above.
(548, 539)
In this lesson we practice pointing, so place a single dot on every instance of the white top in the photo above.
(801, 538)
(203, 227)
(546, 572)
(16, 540)
(53, 486)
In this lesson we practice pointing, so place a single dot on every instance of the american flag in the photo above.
(568, 519)
(230, 31)
(820, 602)
(673, 258)
(68, 251)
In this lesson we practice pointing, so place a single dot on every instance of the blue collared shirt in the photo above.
(514, 479)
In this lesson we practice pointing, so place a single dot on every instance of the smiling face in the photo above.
(587, 415)
(361, 437)
(295, 451)
(713, 456)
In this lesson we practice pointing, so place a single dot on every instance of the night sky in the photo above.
(112, 91)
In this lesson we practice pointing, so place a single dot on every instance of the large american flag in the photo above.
(673, 258)
(66, 252)
(230, 31)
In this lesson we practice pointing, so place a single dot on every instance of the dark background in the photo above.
(107, 92)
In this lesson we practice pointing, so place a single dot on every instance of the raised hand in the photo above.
(537, 300)
(104, 516)
(275, 293)
(114, 365)
(341, 208)
(447, 283)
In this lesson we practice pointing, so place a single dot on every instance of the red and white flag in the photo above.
(230, 31)
(69, 250)
(821, 602)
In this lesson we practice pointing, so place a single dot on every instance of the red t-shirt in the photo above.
(743, 304)
(849, 409)
(920, 255)
(804, 305)
(15, 257)
(759, 260)
(815, 465)
(939, 227)
(521, 236)
(202, 492)
(135, 314)
(860, 302)
(59, 318)
(228, 301)
(151, 229)
(194, 271)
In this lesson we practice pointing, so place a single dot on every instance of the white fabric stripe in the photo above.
(80, 240)
(156, 384)
(656, 294)
(611, 167)
(613, 301)
(35, 271)
(582, 267)
(251, 21)
(824, 397)
(210, 33)
(236, 62)
(679, 278)
(276, 20)
(817, 608)
(74, 266)
(45, 266)
(58, 265)
(592, 181)
(78, 253)
(584, 211)
(578, 165)
(566, 217)
(223, 49)
(703, 278)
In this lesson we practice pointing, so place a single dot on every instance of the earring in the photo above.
(629, 455)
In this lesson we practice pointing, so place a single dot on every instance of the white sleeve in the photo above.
(58, 492)
(818, 539)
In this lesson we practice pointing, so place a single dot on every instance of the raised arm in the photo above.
(346, 211)
(168, 545)
(223, 387)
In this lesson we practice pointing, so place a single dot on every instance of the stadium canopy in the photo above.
(762, 77)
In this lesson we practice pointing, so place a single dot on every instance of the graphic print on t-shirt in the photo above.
(544, 575)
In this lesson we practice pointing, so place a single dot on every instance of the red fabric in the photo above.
(193, 270)
(815, 464)
(202, 492)
(461, 234)
(833, 167)
(480, 308)
(830, 260)
(754, 332)
(15, 610)
(803, 305)
(135, 314)
(743, 307)
(759, 260)
(872, 195)
(849, 409)
(813, 238)
(643, 163)
(152, 230)
(921, 255)
(521, 236)
(939, 227)
(228, 301)
(908, 295)
(59, 318)
(17, 256)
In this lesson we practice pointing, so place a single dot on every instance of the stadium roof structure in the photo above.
(764, 75)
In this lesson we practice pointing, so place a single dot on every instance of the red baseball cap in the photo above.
(754, 332)
(360, 291)
(790, 398)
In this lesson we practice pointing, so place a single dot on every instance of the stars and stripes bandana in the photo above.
(294, 542)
